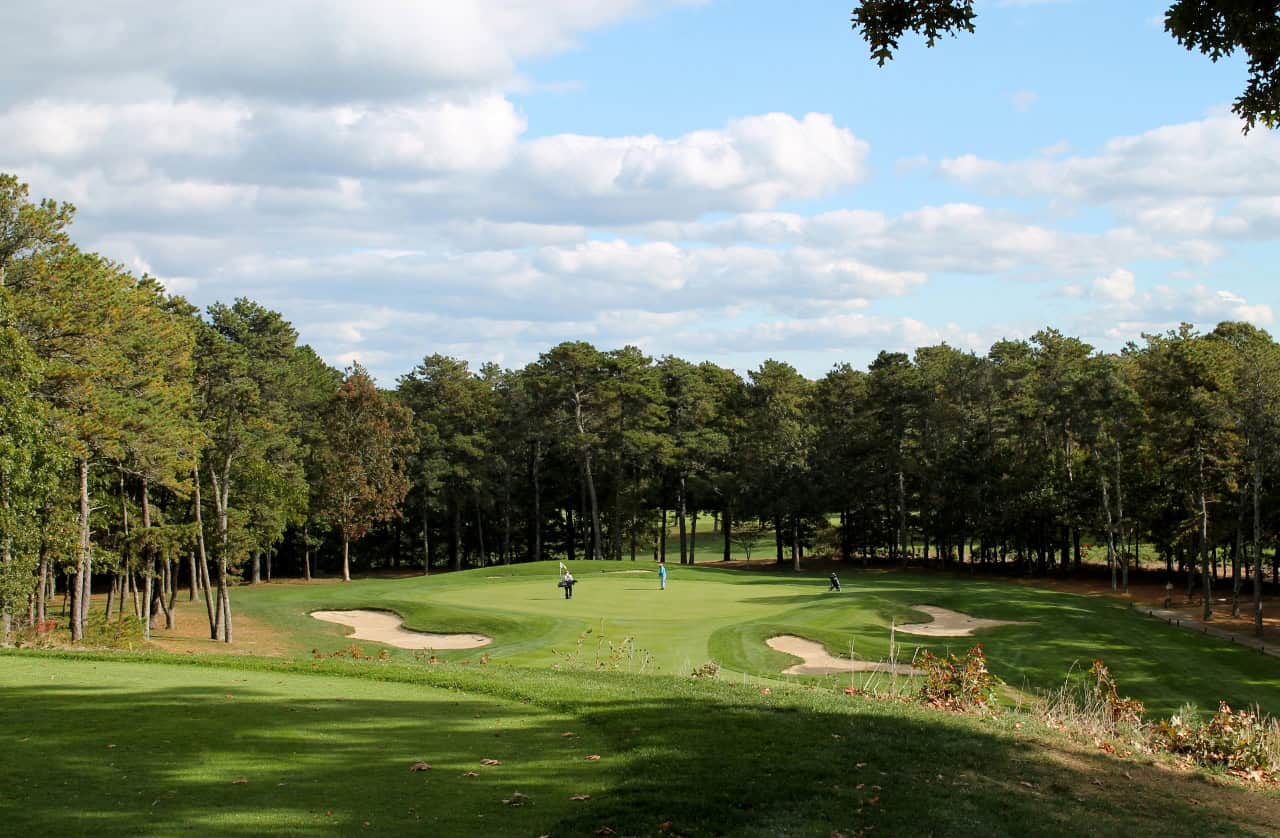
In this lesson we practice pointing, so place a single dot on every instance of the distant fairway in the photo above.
(710, 614)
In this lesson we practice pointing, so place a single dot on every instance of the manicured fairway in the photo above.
(709, 614)
(129, 748)
(136, 747)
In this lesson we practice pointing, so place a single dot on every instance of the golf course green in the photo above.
(585, 715)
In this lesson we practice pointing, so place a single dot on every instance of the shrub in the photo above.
(116, 633)
(958, 683)
(1121, 711)
(1242, 741)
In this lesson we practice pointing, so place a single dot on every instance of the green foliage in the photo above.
(1217, 28)
(124, 632)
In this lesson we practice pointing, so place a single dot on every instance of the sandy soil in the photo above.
(818, 662)
(947, 623)
(383, 627)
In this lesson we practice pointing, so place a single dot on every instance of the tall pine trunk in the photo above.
(83, 569)
(595, 506)
(726, 524)
(680, 520)
(202, 557)
(1257, 550)
(221, 497)
(1207, 580)
(346, 556)
(535, 472)
(693, 536)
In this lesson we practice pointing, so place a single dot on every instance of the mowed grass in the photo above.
(722, 616)
(148, 747)
(103, 747)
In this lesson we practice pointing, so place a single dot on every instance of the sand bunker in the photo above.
(947, 623)
(817, 661)
(383, 627)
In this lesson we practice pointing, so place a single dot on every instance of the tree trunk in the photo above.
(1123, 556)
(506, 529)
(202, 557)
(615, 537)
(1257, 550)
(426, 537)
(456, 545)
(1206, 581)
(635, 510)
(902, 509)
(777, 538)
(195, 576)
(79, 584)
(221, 498)
(726, 522)
(570, 534)
(693, 536)
(795, 542)
(1111, 534)
(42, 594)
(536, 539)
(255, 575)
(662, 536)
(484, 555)
(269, 552)
(595, 507)
(148, 563)
(171, 582)
(346, 557)
(681, 514)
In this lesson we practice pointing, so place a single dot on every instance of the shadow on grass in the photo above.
(678, 756)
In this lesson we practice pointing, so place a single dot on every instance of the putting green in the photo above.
(622, 620)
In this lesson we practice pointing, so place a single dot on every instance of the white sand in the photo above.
(818, 662)
(947, 623)
(383, 627)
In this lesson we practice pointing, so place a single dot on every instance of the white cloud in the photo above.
(1024, 99)
(1116, 286)
(288, 50)
(1210, 158)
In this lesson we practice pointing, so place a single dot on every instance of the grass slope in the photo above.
(325, 748)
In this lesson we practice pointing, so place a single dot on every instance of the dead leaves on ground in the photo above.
(420, 766)
(579, 797)
(487, 761)
(593, 757)
(517, 799)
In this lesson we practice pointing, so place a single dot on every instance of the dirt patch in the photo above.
(191, 636)
(948, 623)
(384, 627)
(818, 661)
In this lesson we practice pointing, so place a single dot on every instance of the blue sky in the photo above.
(718, 180)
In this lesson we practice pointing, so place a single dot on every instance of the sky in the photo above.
(723, 180)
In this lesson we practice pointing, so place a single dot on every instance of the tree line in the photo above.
(147, 446)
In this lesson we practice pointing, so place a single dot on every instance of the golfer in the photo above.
(662, 576)
(835, 582)
(567, 583)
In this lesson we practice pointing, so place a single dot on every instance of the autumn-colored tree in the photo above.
(363, 474)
